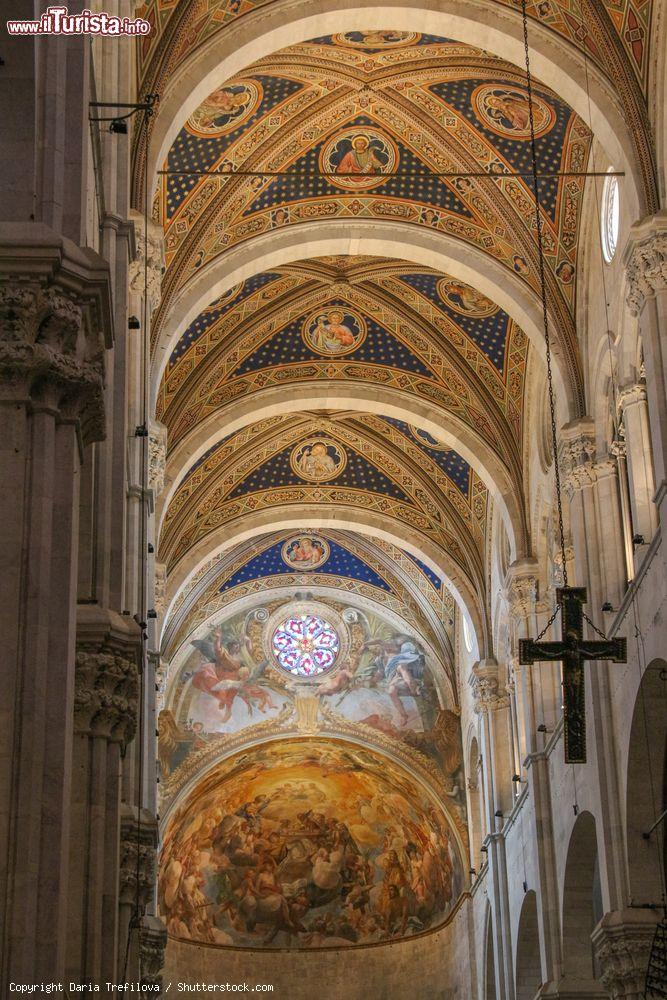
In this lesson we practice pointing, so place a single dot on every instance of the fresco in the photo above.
(367, 673)
(306, 844)
(223, 688)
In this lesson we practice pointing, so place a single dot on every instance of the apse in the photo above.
(305, 844)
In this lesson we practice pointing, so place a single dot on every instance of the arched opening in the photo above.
(582, 902)
(646, 793)
(490, 964)
(528, 967)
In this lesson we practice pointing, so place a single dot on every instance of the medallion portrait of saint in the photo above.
(305, 552)
(334, 331)
(377, 39)
(506, 111)
(464, 299)
(225, 109)
(318, 460)
(358, 160)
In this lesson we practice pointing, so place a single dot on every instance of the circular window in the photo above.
(306, 645)
(610, 217)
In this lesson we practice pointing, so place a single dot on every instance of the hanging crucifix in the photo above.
(572, 649)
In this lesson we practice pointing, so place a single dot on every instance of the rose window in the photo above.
(306, 645)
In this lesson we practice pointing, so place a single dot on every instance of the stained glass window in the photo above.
(306, 645)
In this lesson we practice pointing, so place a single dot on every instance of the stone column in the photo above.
(55, 324)
(491, 704)
(593, 499)
(622, 942)
(633, 407)
(138, 873)
(539, 700)
(645, 259)
(105, 713)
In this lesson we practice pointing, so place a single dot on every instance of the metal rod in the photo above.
(657, 823)
(395, 173)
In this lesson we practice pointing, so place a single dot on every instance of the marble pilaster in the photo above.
(645, 260)
(55, 326)
(633, 407)
(105, 715)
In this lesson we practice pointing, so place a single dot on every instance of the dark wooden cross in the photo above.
(572, 649)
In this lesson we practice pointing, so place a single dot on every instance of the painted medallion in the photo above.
(334, 331)
(377, 39)
(225, 109)
(305, 552)
(506, 112)
(464, 299)
(318, 460)
(358, 157)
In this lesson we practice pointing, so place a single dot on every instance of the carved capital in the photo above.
(56, 321)
(150, 252)
(486, 691)
(51, 353)
(622, 942)
(157, 456)
(576, 454)
(106, 677)
(630, 394)
(521, 588)
(138, 855)
(152, 947)
(646, 261)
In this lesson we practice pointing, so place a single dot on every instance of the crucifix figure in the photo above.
(572, 649)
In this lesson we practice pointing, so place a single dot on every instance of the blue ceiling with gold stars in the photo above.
(358, 473)
(339, 562)
(447, 459)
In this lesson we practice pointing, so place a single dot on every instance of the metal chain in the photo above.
(594, 626)
(549, 623)
(543, 288)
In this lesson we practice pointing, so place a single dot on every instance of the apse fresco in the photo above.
(306, 844)
(359, 667)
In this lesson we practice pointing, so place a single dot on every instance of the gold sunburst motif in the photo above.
(318, 460)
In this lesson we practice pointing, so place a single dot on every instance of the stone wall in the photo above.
(431, 967)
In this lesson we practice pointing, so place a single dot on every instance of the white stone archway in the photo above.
(485, 24)
(364, 522)
(340, 237)
(363, 399)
